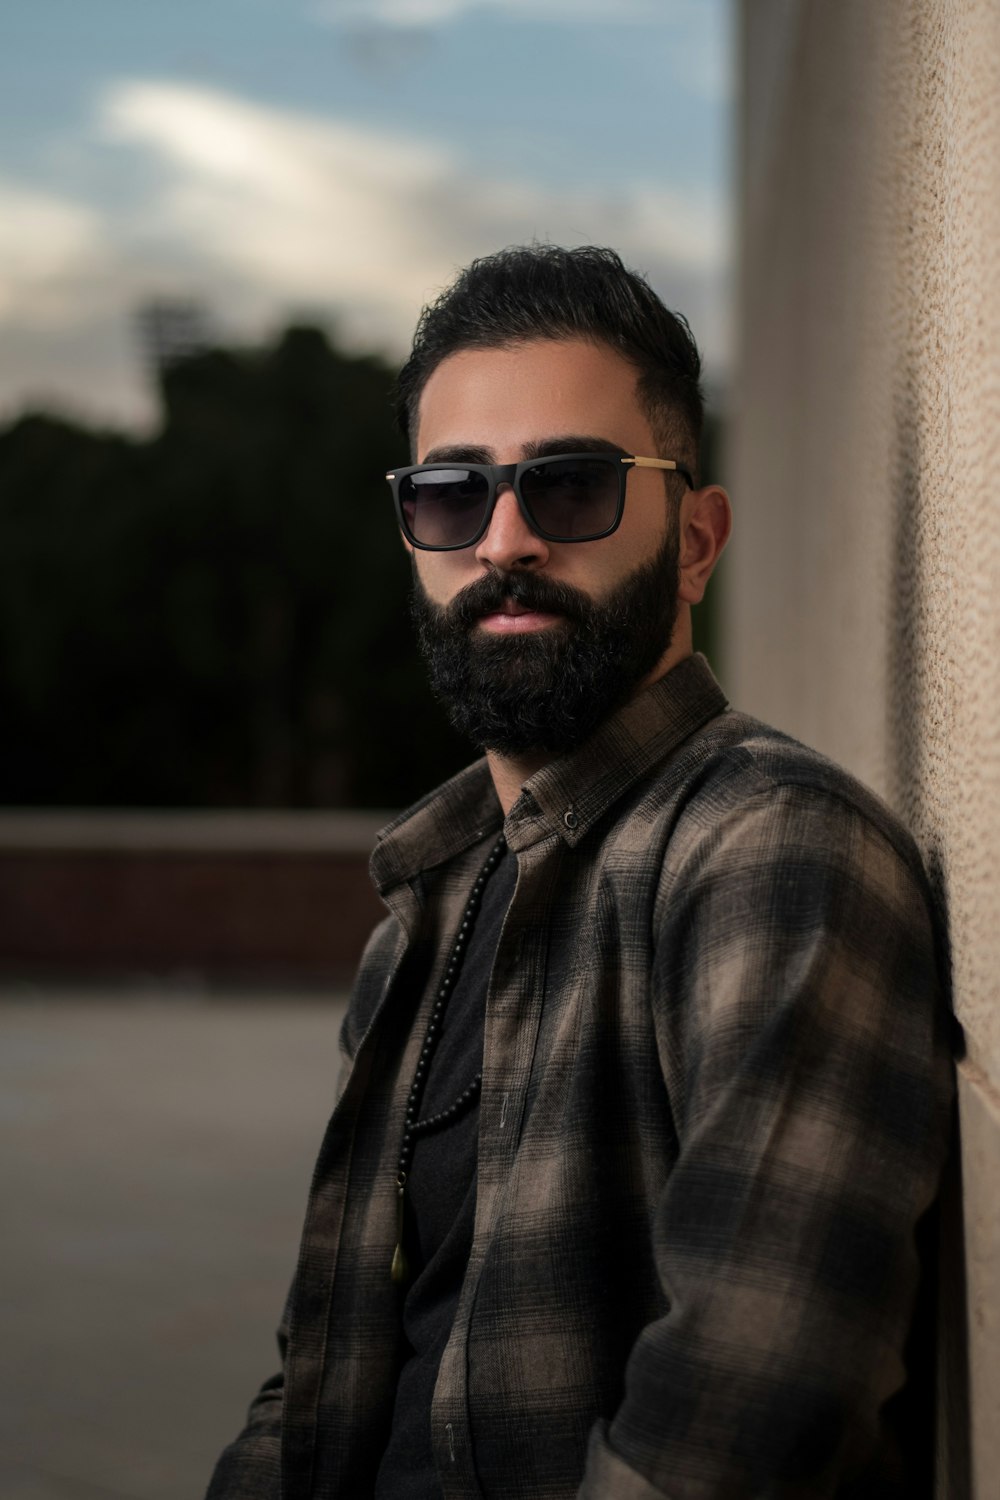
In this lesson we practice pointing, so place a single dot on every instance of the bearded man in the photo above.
(644, 1085)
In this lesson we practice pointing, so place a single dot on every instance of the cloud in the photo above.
(262, 214)
(286, 207)
(315, 210)
(48, 245)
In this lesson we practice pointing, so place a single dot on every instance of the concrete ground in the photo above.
(155, 1155)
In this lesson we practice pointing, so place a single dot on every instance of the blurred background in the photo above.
(218, 223)
(217, 226)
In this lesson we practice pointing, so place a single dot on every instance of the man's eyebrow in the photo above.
(573, 442)
(459, 453)
(550, 447)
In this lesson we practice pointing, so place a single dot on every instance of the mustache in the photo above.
(486, 595)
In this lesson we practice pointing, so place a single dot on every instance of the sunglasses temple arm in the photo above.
(663, 463)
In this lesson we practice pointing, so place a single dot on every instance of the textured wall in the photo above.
(863, 590)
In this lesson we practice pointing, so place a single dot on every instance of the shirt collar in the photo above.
(565, 797)
(569, 794)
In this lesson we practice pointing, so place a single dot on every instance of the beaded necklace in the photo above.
(413, 1126)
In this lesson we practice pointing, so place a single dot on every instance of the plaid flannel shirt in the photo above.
(714, 1107)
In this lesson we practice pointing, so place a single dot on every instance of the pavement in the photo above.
(156, 1147)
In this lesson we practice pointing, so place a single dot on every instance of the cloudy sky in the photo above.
(337, 160)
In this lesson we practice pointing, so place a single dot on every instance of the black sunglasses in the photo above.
(571, 497)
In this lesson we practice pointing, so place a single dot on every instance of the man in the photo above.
(644, 1086)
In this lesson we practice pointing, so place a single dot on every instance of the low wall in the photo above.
(243, 896)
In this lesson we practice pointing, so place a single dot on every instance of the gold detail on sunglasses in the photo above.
(650, 463)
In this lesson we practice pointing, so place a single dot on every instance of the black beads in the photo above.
(464, 1101)
(413, 1126)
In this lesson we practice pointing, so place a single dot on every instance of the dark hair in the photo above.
(544, 291)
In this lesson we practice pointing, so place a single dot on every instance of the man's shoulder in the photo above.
(738, 751)
(735, 763)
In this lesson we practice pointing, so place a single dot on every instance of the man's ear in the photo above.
(705, 523)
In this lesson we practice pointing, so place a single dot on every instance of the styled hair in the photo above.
(544, 291)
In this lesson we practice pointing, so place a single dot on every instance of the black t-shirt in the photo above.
(441, 1206)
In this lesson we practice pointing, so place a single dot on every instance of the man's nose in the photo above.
(509, 541)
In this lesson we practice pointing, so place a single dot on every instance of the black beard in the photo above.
(548, 689)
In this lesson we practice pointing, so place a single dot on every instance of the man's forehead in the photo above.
(530, 393)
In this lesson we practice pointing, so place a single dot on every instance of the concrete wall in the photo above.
(863, 591)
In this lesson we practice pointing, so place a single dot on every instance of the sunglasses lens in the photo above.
(444, 507)
(571, 499)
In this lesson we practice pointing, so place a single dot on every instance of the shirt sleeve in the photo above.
(803, 1042)
(250, 1468)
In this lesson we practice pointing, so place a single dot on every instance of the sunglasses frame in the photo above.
(497, 474)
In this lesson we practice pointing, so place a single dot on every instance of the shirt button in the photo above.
(570, 818)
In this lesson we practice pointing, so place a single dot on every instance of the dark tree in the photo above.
(217, 617)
